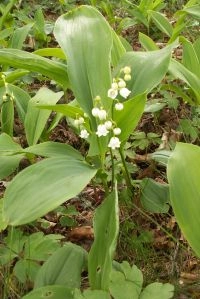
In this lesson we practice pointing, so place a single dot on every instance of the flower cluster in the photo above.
(118, 85)
(107, 126)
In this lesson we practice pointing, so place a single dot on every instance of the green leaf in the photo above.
(19, 37)
(148, 68)
(190, 58)
(43, 186)
(55, 52)
(65, 109)
(183, 173)
(154, 196)
(26, 270)
(193, 11)
(21, 99)
(36, 119)
(8, 146)
(161, 22)
(7, 116)
(29, 61)
(39, 247)
(180, 71)
(158, 290)
(126, 283)
(89, 75)
(3, 223)
(106, 227)
(91, 294)
(64, 267)
(53, 292)
(118, 50)
(13, 75)
(161, 156)
(147, 43)
(9, 164)
(128, 118)
(53, 149)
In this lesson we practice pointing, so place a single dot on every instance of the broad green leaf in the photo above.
(161, 157)
(21, 99)
(91, 294)
(19, 36)
(180, 71)
(193, 11)
(36, 119)
(55, 52)
(32, 62)
(148, 68)
(158, 290)
(54, 149)
(126, 283)
(197, 48)
(118, 49)
(161, 22)
(65, 109)
(106, 227)
(64, 267)
(183, 173)
(190, 58)
(8, 146)
(88, 54)
(42, 187)
(26, 270)
(7, 116)
(128, 118)
(147, 43)
(154, 196)
(53, 292)
(39, 247)
(13, 75)
(3, 224)
(8, 164)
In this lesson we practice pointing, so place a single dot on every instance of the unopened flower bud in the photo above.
(127, 70)
(117, 131)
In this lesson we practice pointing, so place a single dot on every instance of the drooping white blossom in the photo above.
(114, 85)
(114, 143)
(108, 124)
(79, 121)
(124, 92)
(121, 83)
(117, 131)
(102, 114)
(102, 130)
(112, 93)
(84, 134)
(95, 112)
(119, 106)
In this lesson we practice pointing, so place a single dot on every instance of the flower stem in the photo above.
(127, 175)
(113, 170)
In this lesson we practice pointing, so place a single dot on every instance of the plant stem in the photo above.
(127, 175)
(113, 170)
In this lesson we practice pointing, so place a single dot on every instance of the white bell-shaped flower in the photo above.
(117, 131)
(102, 114)
(84, 134)
(112, 93)
(102, 130)
(114, 143)
(124, 92)
(108, 124)
(95, 112)
(119, 106)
